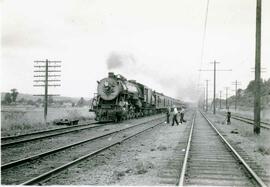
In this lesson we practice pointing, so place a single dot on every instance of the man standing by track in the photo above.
(175, 112)
(228, 116)
(168, 115)
(182, 113)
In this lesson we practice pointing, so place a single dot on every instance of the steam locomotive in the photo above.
(119, 99)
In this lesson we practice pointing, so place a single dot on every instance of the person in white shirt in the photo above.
(175, 112)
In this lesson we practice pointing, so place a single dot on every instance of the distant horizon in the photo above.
(89, 97)
(42, 96)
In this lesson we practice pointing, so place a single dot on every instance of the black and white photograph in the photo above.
(135, 92)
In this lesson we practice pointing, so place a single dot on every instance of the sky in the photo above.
(156, 42)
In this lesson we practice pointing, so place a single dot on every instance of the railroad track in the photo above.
(263, 124)
(170, 172)
(247, 120)
(23, 138)
(210, 160)
(37, 168)
(21, 150)
(15, 140)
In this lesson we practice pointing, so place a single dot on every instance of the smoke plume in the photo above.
(118, 60)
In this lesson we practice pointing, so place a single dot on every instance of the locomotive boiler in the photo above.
(118, 99)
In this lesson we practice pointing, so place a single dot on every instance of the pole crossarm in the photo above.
(55, 66)
(40, 85)
(43, 71)
(261, 68)
(48, 76)
(54, 61)
(261, 71)
(216, 70)
(48, 80)
(44, 61)
(47, 95)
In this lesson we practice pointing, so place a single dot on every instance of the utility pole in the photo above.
(44, 77)
(257, 87)
(201, 102)
(214, 102)
(226, 97)
(214, 111)
(206, 101)
(204, 98)
(220, 99)
(236, 95)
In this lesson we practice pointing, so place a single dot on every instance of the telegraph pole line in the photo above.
(236, 95)
(206, 102)
(215, 70)
(44, 77)
(215, 86)
(226, 97)
(220, 99)
(215, 62)
(203, 102)
(204, 97)
(257, 86)
(46, 92)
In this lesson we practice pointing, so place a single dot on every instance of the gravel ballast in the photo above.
(142, 160)
(241, 135)
(139, 161)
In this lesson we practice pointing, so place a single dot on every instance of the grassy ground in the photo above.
(17, 120)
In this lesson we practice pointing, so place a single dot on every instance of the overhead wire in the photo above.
(203, 42)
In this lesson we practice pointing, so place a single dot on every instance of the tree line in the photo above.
(11, 98)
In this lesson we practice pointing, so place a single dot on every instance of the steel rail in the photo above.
(77, 128)
(184, 165)
(251, 122)
(34, 157)
(247, 118)
(43, 131)
(46, 131)
(55, 171)
(247, 167)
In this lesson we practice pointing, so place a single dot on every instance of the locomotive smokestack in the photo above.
(111, 74)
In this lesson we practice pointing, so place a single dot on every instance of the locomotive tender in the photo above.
(119, 99)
